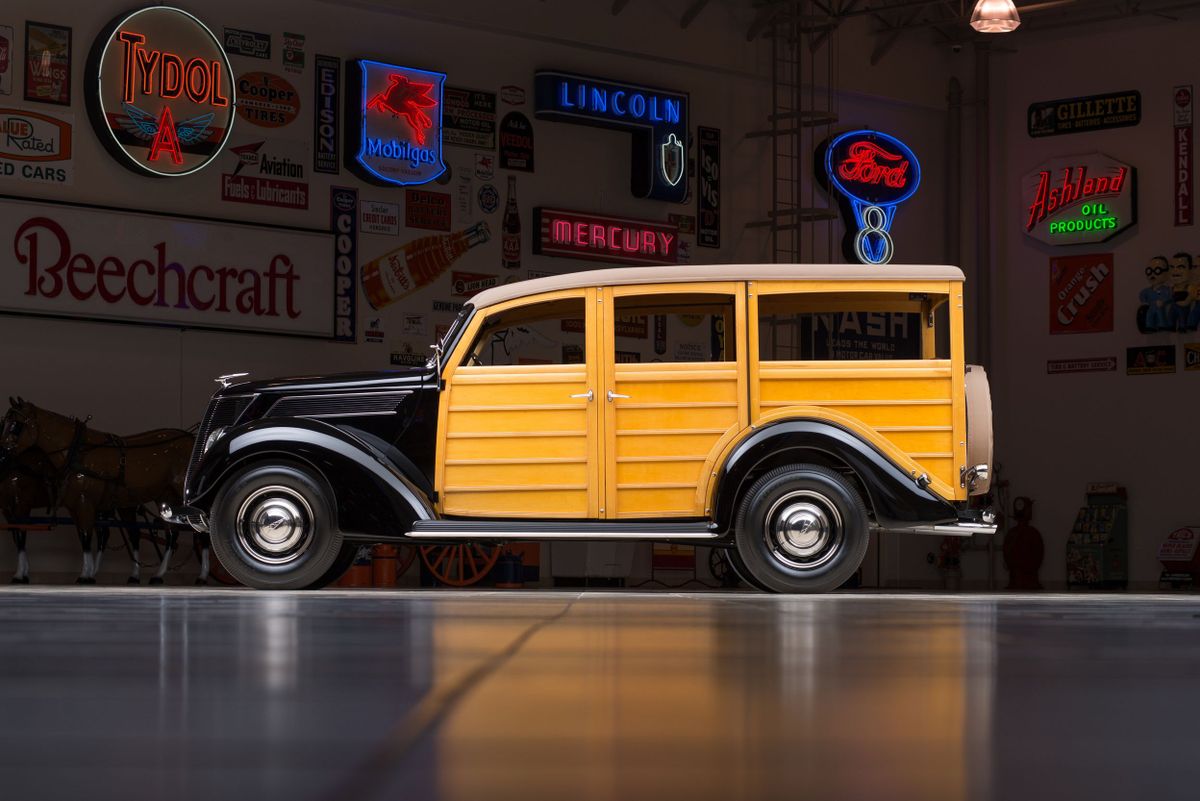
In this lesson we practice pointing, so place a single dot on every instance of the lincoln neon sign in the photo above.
(657, 119)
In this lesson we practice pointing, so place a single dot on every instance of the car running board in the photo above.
(542, 530)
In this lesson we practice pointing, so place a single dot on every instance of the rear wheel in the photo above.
(272, 528)
(801, 528)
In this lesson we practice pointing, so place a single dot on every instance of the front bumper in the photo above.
(970, 522)
(184, 515)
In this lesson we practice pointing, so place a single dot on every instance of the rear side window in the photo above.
(683, 327)
(539, 333)
(845, 326)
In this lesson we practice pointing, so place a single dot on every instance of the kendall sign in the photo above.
(657, 118)
(99, 264)
(396, 114)
(597, 237)
(161, 92)
(1078, 200)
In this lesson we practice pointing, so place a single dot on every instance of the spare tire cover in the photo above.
(979, 426)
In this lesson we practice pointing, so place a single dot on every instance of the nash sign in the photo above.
(1079, 200)
(596, 237)
(69, 261)
(161, 93)
(397, 117)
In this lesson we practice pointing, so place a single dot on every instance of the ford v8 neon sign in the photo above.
(657, 118)
(872, 173)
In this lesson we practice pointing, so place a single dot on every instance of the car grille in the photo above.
(223, 411)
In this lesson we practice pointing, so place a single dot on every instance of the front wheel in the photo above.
(272, 528)
(802, 528)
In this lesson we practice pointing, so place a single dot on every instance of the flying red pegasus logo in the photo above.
(404, 98)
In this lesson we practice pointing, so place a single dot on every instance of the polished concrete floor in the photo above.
(226, 694)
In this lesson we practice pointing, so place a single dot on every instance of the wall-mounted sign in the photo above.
(326, 111)
(516, 142)
(47, 63)
(1081, 294)
(597, 237)
(871, 173)
(161, 94)
(427, 209)
(1082, 114)
(469, 118)
(293, 52)
(657, 119)
(1150, 360)
(343, 221)
(1184, 183)
(267, 173)
(1191, 356)
(1097, 364)
(120, 265)
(396, 115)
(7, 57)
(1079, 200)
(379, 218)
(512, 95)
(35, 147)
(267, 100)
(251, 44)
(708, 201)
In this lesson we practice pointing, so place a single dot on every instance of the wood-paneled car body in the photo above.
(781, 411)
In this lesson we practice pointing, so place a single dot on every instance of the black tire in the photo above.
(272, 528)
(738, 565)
(341, 564)
(828, 522)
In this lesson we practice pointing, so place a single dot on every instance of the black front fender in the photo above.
(895, 497)
(371, 494)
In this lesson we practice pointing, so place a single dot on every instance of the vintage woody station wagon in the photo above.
(781, 411)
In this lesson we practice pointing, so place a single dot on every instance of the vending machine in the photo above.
(1098, 548)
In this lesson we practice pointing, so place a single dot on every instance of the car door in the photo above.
(517, 428)
(673, 393)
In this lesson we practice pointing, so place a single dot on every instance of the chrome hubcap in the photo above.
(275, 524)
(803, 529)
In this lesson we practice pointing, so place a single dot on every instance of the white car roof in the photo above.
(625, 276)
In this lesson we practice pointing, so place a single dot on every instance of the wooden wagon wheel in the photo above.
(405, 556)
(460, 565)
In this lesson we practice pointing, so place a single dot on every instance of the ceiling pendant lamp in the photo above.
(995, 16)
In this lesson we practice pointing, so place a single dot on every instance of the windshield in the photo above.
(451, 335)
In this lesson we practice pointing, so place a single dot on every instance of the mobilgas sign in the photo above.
(872, 173)
(657, 118)
(1078, 200)
(396, 116)
(161, 92)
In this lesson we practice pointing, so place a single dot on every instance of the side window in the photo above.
(551, 332)
(845, 326)
(684, 327)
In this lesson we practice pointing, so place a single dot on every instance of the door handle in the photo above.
(589, 395)
(612, 395)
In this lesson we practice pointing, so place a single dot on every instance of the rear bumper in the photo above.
(184, 516)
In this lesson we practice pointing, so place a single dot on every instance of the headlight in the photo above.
(216, 434)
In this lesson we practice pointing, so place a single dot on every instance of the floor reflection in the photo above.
(189, 694)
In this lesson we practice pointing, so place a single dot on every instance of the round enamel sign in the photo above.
(161, 92)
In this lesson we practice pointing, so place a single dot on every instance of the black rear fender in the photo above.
(371, 494)
(894, 497)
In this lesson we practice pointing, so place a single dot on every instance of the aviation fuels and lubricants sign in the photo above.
(161, 91)
(1079, 200)
(397, 119)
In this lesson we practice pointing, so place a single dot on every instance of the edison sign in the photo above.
(1079, 200)
(397, 114)
(161, 93)
(657, 119)
(872, 173)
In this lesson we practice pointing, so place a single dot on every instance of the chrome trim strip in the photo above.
(952, 529)
(561, 535)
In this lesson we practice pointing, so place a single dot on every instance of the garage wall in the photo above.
(131, 378)
(1056, 433)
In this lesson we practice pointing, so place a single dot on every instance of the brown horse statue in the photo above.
(101, 472)
(26, 483)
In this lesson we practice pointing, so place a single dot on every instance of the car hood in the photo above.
(349, 382)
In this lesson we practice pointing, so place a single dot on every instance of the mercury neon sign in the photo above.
(657, 119)
(1079, 199)
(162, 97)
(598, 237)
(872, 173)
